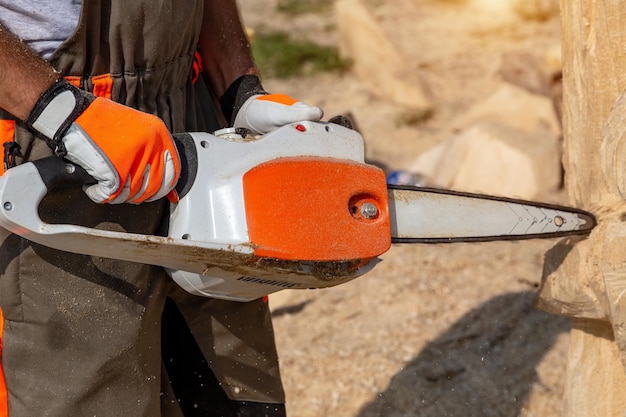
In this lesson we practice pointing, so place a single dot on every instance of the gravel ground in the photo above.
(434, 330)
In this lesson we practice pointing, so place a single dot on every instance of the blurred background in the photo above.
(460, 94)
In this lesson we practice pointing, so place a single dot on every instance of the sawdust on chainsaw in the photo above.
(434, 330)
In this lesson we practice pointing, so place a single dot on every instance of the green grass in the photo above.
(414, 118)
(295, 7)
(279, 56)
(536, 10)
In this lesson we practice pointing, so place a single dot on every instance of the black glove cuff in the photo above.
(53, 114)
(237, 93)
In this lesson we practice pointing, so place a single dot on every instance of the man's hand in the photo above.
(247, 105)
(130, 153)
(264, 113)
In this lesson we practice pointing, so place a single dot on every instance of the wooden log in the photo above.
(595, 380)
(587, 279)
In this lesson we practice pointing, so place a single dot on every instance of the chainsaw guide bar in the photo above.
(432, 215)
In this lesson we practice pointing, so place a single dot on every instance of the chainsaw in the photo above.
(296, 208)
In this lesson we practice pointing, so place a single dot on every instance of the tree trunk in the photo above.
(586, 279)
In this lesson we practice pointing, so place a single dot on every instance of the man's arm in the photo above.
(24, 76)
(78, 126)
(224, 46)
(233, 77)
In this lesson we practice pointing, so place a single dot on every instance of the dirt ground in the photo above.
(434, 330)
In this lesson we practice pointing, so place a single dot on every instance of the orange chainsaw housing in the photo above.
(309, 209)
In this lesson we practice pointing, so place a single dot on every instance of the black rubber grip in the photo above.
(56, 172)
(188, 162)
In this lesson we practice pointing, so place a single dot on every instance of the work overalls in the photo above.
(82, 335)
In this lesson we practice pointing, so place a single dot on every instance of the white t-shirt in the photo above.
(41, 24)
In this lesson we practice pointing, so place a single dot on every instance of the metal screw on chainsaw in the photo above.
(369, 211)
(8, 206)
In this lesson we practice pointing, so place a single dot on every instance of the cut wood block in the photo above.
(493, 158)
(376, 59)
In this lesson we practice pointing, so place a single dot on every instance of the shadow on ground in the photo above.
(483, 366)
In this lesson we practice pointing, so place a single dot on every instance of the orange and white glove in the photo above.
(130, 154)
(246, 105)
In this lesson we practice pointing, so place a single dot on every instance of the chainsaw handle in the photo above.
(57, 172)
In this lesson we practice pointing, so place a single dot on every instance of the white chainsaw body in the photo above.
(214, 209)
(209, 250)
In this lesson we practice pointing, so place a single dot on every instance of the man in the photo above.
(81, 336)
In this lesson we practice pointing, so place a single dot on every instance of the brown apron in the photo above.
(82, 335)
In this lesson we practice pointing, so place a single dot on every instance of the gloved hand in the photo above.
(130, 153)
(247, 105)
